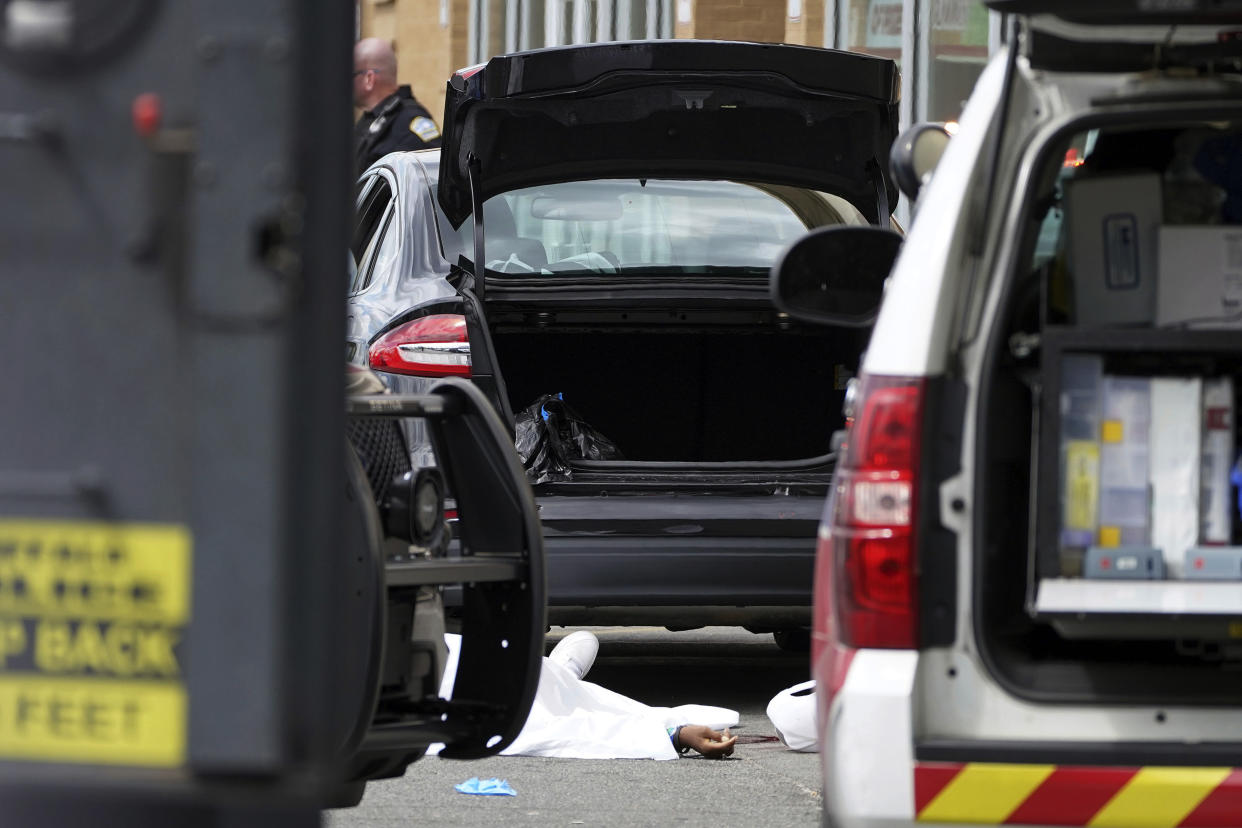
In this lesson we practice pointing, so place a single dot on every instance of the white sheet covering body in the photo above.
(575, 719)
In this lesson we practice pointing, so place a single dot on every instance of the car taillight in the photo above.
(870, 578)
(433, 346)
(470, 71)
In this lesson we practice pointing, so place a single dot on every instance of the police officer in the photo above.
(393, 119)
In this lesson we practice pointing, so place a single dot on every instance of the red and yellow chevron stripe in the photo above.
(1107, 797)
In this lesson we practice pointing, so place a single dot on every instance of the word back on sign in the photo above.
(92, 622)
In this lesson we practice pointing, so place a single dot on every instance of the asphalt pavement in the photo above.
(762, 784)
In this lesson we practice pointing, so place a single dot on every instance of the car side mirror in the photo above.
(835, 275)
(915, 154)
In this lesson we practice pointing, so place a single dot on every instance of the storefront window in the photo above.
(959, 50)
(874, 27)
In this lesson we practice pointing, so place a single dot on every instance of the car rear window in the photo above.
(653, 227)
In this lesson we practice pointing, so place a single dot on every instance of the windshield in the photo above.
(650, 226)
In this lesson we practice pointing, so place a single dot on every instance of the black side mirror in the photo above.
(915, 154)
(835, 275)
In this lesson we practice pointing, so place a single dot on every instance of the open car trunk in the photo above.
(689, 387)
(650, 168)
(1108, 544)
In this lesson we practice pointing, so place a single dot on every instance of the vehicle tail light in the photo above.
(830, 658)
(866, 569)
(432, 346)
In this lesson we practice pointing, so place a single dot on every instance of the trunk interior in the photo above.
(1127, 641)
(684, 390)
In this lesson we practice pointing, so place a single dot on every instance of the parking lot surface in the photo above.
(762, 784)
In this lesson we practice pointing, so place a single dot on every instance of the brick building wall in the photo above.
(758, 20)
(429, 48)
(808, 28)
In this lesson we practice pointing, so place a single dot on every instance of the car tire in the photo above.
(345, 795)
(795, 640)
(359, 649)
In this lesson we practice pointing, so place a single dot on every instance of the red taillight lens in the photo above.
(871, 545)
(830, 658)
(886, 434)
(433, 346)
(885, 579)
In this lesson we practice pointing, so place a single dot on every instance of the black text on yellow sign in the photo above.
(118, 649)
(92, 618)
(131, 572)
(95, 721)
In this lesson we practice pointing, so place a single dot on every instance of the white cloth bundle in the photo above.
(792, 712)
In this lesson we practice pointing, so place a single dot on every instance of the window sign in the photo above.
(884, 24)
(960, 23)
(874, 27)
(959, 51)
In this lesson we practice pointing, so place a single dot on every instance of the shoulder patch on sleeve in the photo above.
(425, 128)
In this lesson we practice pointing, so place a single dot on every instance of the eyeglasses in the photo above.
(362, 72)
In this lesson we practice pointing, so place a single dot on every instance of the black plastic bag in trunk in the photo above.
(550, 434)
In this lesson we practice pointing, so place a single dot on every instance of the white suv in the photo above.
(1028, 598)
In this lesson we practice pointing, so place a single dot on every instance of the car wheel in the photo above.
(346, 795)
(796, 640)
(359, 647)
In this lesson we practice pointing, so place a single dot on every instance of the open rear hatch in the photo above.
(1127, 35)
(1113, 13)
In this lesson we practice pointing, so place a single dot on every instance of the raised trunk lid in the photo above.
(1127, 12)
(769, 113)
(1128, 35)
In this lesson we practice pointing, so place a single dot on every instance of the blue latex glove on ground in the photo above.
(486, 787)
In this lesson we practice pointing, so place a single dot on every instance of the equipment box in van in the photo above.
(1130, 480)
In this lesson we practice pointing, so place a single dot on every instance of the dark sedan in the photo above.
(632, 199)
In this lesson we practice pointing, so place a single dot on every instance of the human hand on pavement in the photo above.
(711, 743)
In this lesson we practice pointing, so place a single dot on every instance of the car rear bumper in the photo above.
(1069, 794)
(866, 746)
(688, 559)
(876, 774)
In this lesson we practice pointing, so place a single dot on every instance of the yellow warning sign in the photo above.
(133, 572)
(92, 720)
(92, 619)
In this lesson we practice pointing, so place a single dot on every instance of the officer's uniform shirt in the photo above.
(399, 122)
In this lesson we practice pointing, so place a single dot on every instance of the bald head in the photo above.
(375, 71)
